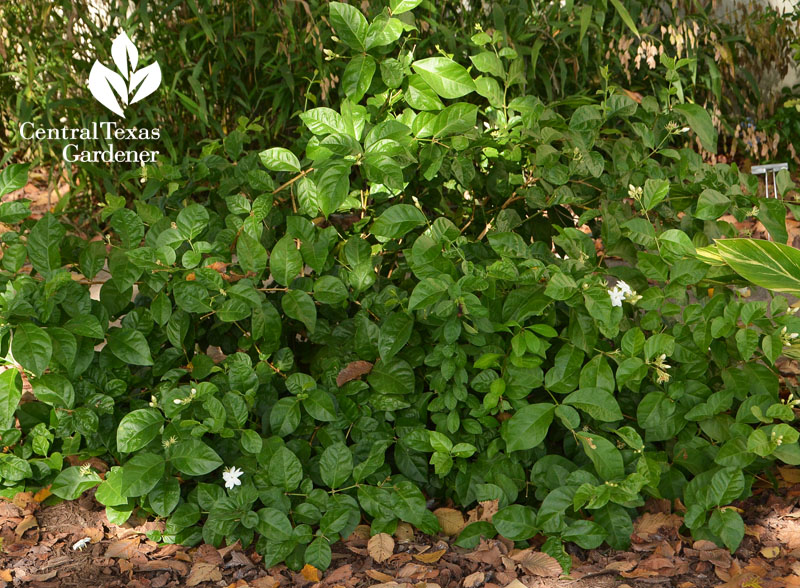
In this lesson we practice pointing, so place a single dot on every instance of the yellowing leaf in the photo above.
(380, 547)
(311, 573)
(430, 556)
(771, 552)
(42, 494)
(791, 475)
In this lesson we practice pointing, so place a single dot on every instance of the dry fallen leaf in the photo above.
(311, 573)
(22, 499)
(203, 572)
(5, 576)
(353, 370)
(29, 522)
(123, 548)
(430, 556)
(380, 547)
(264, 582)
(622, 566)
(339, 574)
(771, 552)
(650, 524)
(93, 533)
(450, 520)
(484, 511)
(380, 576)
(404, 533)
(538, 564)
(475, 579)
(515, 584)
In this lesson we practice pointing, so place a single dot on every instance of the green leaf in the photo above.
(130, 346)
(515, 522)
(274, 525)
(333, 185)
(596, 402)
(392, 377)
(397, 220)
(86, 326)
(10, 393)
(318, 553)
(471, 536)
(165, 496)
(71, 483)
(110, 492)
(192, 221)
(251, 254)
(699, 120)
(528, 427)
(285, 261)
(617, 523)
(604, 454)
(420, 96)
(193, 457)
(585, 534)
(401, 6)
(427, 292)
(488, 62)
(395, 332)
(357, 77)
(191, 297)
(138, 428)
(280, 159)
(299, 306)
(330, 290)
(625, 16)
(728, 525)
(336, 465)
(141, 473)
(15, 176)
(319, 404)
(383, 31)
(655, 191)
(32, 348)
(349, 25)
(54, 390)
(285, 470)
(323, 121)
(13, 468)
(564, 376)
(711, 205)
(447, 78)
(772, 212)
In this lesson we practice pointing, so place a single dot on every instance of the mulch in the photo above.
(38, 552)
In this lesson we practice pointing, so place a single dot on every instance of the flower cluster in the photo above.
(623, 291)
(661, 368)
(188, 399)
(788, 338)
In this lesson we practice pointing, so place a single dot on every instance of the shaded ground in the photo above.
(38, 553)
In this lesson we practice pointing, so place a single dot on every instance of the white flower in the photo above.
(231, 476)
(617, 296)
(624, 287)
(177, 401)
(80, 544)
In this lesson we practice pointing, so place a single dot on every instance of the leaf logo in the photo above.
(107, 85)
